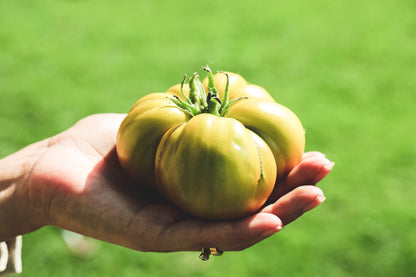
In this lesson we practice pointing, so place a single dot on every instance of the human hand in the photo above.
(77, 184)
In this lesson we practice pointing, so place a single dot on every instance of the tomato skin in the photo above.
(251, 91)
(152, 100)
(277, 125)
(215, 168)
(139, 135)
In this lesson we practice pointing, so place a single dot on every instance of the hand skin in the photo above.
(73, 180)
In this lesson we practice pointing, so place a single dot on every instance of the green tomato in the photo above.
(216, 152)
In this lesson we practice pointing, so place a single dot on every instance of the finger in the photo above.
(193, 235)
(312, 169)
(243, 233)
(292, 205)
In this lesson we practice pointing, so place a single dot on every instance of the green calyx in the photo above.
(201, 101)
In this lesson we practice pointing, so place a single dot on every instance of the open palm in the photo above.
(80, 186)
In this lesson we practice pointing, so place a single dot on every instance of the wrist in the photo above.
(18, 212)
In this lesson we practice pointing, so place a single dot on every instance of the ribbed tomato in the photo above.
(215, 149)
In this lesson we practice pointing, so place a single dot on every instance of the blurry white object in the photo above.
(11, 256)
(80, 245)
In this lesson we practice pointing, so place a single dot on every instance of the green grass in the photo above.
(347, 68)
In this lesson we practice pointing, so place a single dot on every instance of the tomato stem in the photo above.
(200, 101)
(184, 105)
(232, 102)
(197, 93)
(193, 89)
(214, 103)
(225, 98)
(182, 91)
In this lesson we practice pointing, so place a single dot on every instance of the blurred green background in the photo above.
(347, 68)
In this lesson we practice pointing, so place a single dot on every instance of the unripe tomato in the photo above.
(215, 150)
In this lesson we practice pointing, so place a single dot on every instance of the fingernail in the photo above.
(271, 231)
(314, 203)
(320, 198)
(328, 164)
